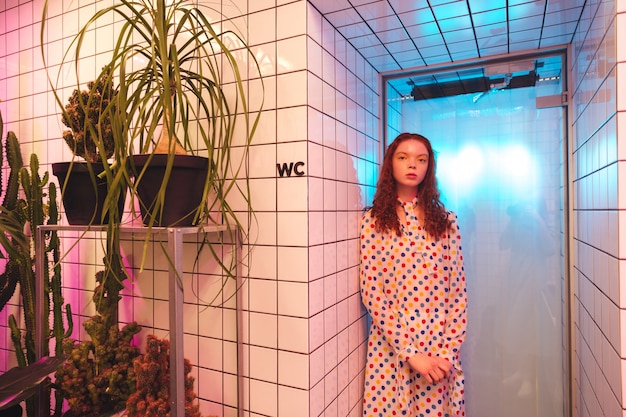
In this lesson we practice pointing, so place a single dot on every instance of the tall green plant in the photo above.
(184, 86)
(29, 201)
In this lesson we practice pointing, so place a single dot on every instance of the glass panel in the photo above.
(499, 167)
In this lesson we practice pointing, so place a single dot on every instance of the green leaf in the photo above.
(20, 383)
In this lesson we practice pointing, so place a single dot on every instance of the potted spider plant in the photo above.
(180, 102)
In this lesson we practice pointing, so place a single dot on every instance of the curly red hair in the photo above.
(435, 216)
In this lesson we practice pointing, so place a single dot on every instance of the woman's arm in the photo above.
(374, 296)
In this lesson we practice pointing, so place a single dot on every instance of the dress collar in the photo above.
(406, 204)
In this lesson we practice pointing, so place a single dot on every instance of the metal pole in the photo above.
(240, 326)
(40, 316)
(177, 358)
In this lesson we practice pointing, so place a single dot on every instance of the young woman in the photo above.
(413, 286)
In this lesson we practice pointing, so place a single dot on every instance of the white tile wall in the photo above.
(303, 326)
(599, 370)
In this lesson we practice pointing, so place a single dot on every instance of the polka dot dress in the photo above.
(414, 290)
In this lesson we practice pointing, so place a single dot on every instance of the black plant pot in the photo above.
(82, 202)
(183, 193)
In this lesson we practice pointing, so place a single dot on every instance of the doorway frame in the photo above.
(564, 100)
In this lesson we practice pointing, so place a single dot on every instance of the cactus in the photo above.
(14, 160)
(98, 376)
(14, 240)
(19, 218)
(87, 116)
(152, 371)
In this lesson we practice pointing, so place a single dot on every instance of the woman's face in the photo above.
(410, 163)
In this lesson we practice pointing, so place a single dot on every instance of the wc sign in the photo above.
(289, 168)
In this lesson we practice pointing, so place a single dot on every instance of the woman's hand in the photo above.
(433, 368)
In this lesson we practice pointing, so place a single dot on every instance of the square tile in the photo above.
(263, 397)
(316, 368)
(210, 385)
(315, 136)
(291, 124)
(316, 193)
(290, 401)
(328, 67)
(291, 20)
(262, 262)
(293, 229)
(190, 349)
(293, 369)
(328, 36)
(314, 23)
(316, 262)
(293, 334)
(263, 364)
(329, 127)
(262, 295)
(316, 296)
(263, 330)
(314, 57)
(316, 331)
(330, 392)
(341, 253)
(263, 161)
(211, 319)
(330, 195)
(263, 229)
(214, 359)
(292, 54)
(330, 323)
(315, 92)
(292, 193)
(342, 284)
(293, 299)
(342, 196)
(190, 319)
(330, 249)
(342, 315)
(330, 290)
(291, 89)
(354, 336)
(330, 235)
(262, 26)
(330, 355)
(341, 78)
(267, 130)
(316, 228)
(293, 263)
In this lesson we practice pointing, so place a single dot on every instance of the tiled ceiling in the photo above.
(402, 35)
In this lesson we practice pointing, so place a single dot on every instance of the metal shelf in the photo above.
(175, 236)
